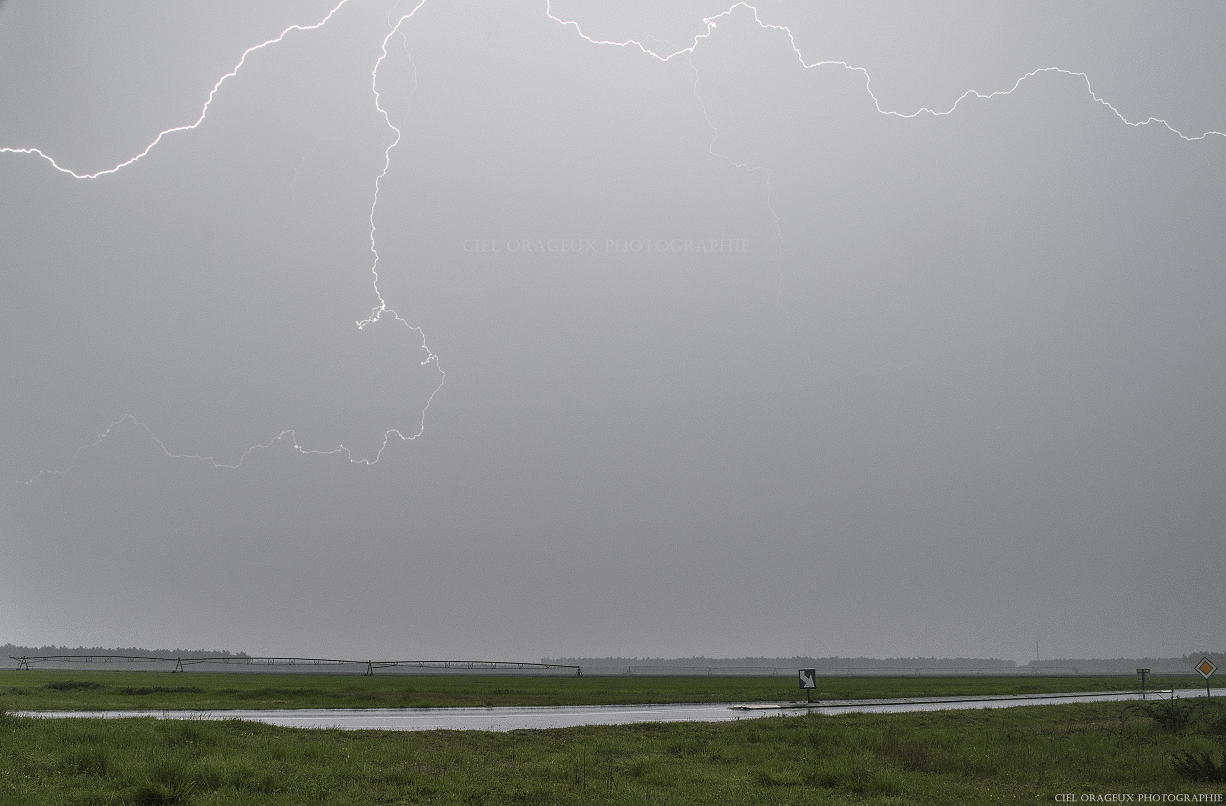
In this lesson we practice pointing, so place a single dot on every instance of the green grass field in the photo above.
(1016, 755)
(40, 690)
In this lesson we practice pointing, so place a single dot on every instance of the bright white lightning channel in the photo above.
(204, 111)
(377, 312)
(712, 23)
(382, 308)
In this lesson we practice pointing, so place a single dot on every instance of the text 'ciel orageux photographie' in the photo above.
(693, 246)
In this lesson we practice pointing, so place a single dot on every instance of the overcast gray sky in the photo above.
(738, 361)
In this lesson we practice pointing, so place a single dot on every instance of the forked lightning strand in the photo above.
(203, 112)
(382, 308)
(713, 22)
(379, 310)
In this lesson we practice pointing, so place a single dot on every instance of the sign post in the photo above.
(808, 681)
(1143, 678)
(1206, 667)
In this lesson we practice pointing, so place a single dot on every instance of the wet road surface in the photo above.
(544, 717)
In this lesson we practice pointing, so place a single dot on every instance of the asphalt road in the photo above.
(529, 718)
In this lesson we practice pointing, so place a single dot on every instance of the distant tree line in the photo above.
(830, 665)
(833, 665)
(1181, 665)
(12, 650)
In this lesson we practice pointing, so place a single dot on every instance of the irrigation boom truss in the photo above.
(26, 661)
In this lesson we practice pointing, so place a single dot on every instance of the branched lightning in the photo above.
(712, 23)
(204, 111)
(211, 461)
(377, 312)
(381, 307)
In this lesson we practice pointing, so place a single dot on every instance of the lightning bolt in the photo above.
(712, 23)
(188, 127)
(380, 309)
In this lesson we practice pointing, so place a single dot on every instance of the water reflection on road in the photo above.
(529, 718)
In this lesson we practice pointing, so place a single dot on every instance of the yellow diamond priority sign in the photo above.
(1206, 668)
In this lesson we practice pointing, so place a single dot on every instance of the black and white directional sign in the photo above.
(808, 678)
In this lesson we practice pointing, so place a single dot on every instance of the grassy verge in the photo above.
(41, 690)
(1017, 755)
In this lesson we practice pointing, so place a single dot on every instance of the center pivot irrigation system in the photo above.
(25, 662)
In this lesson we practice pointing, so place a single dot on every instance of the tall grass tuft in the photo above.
(1172, 716)
(73, 685)
(86, 760)
(1200, 767)
(168, 780)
